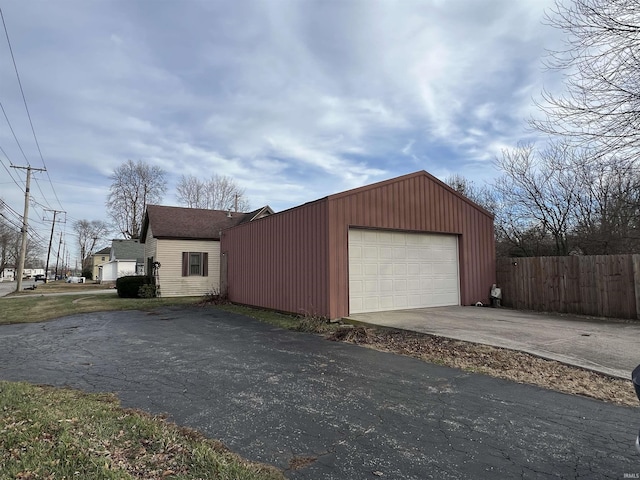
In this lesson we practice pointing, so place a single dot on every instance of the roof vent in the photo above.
(229, 214)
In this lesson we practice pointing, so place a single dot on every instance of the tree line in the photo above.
(581, 193)
(557, 202)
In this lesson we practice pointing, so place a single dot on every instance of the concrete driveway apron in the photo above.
(607, 346)
(273, 395)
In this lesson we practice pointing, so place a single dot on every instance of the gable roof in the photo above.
(418, 174)
(127, 250)
(104, 251)
(193, 223)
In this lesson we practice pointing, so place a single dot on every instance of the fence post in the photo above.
(636, 281)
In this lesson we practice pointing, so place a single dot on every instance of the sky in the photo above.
(293, 99)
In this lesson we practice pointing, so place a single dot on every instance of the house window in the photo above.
(103, 259)
(195, 264)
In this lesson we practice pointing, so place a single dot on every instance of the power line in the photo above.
(26, 107)
(14, 135)
(5, 167)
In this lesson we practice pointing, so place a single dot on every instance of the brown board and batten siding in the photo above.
(281, 261)
(414, 203)
(298, 260)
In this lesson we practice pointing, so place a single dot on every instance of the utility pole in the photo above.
(25, 223)
(58, 257)
(53, 225)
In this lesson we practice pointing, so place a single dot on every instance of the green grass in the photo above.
(282, 320)
(306, 323)
(48, 433)
(34, 308)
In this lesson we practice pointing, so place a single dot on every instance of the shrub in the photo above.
(129, 286)
(147, 291)
(215, 297)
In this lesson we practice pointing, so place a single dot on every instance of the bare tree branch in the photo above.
(217, 193)
(133, 187)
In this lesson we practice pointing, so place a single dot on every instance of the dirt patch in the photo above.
(297, 463)
(497, 362)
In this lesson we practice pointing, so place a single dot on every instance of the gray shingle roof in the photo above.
(127, 250)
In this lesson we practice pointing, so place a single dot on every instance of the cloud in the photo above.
(295, 100)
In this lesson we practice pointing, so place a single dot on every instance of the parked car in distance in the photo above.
(76, 279)
(40, 277)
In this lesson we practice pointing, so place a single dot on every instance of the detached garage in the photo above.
(408, 242)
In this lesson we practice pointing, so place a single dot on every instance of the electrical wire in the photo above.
(26, 107)
(15, 137)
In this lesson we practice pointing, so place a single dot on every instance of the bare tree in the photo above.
(134, 185)
(89, 232)
(538, 195)
(8, 238)
(608, 210)
(218, 193)
(483, 195)
(601, 63)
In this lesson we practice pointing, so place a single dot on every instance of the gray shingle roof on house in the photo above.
(104, 251)
(193, 223)
(127, 250)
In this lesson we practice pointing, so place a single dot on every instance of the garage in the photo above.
(403, 243)
(394, 270)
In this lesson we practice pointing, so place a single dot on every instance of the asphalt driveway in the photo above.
(272, 395)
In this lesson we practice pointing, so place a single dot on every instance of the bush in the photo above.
(129, 286)
(87, 273)
(147, 291)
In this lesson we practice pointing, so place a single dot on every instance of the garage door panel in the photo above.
(370, 286)
(399, 286)
(399, 269)
(371, 269)
(394, 270)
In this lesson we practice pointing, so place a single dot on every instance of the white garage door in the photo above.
(400, 270)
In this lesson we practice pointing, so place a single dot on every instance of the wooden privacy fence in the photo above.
(597, 285)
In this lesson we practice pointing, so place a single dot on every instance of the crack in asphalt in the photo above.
(275, 396)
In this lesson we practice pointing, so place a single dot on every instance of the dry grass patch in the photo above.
(48, 433)
(498, 362)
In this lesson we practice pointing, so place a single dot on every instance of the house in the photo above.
(97, 259)
(8, 274)
(32, 272)
(184, 244)
(408, 242)
(126, 257)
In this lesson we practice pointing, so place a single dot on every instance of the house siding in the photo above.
(150, 249)
(281, 261)
(297, 260)
(171, 281)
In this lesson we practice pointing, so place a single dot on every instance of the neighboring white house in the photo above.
(186, 244)
(126, 257)
(8, 274)
(32, 272)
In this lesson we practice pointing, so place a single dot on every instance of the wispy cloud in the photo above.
(295, 100)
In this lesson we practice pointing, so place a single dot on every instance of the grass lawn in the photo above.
(34, 307)
(48, 433)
